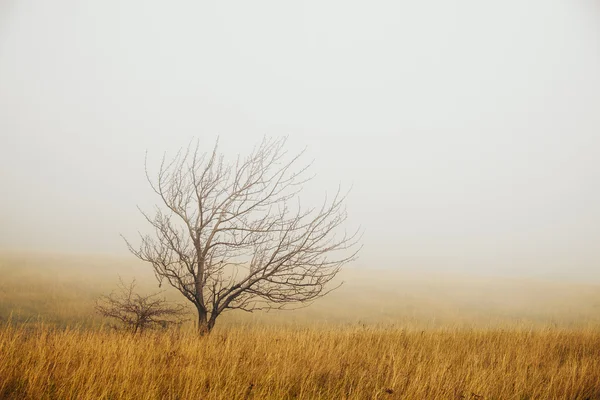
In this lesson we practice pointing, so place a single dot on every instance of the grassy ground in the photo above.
(279, 363)
(381, 336)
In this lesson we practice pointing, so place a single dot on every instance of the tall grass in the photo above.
(421, 337)
(277, 363)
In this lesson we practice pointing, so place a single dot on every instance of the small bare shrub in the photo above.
(136, 312)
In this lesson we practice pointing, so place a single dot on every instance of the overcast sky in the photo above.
(470, 130)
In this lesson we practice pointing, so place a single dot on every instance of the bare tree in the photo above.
(234, 235)
(136, 312)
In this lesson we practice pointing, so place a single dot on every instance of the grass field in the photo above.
(381, 336)
(263, 363)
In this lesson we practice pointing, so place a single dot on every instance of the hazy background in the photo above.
(469, 130)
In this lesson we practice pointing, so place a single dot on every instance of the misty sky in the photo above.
(470, 130)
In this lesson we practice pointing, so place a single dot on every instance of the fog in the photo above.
(469, 131)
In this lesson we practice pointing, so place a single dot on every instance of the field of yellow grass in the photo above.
(379, 337)
(263, 363)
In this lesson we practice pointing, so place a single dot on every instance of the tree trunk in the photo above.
(205, 324)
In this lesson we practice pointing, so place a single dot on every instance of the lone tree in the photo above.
(234, 235)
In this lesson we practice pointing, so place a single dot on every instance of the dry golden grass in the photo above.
(263, 363)
(381, 336)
